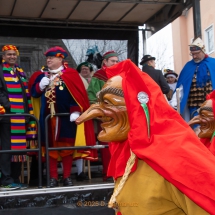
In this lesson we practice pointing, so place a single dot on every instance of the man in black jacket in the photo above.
(148, 63)
(14, 98)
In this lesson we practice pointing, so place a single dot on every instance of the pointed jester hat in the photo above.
(171, 149)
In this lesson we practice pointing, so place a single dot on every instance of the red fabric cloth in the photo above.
(32, 79)
(67, 166)
(210, 144)
(172, 150)
(105, 156)
(101, 74)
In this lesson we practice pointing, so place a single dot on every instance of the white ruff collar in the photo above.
(56, 70)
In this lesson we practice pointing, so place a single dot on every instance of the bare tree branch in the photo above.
(78, 48)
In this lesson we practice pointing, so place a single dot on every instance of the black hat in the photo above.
(146, 58)
(169, 72)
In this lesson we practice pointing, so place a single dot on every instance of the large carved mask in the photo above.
(205, 119)
(111, 110)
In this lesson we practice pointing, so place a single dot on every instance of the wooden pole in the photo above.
(178, 99)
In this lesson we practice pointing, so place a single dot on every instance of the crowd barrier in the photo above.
(61, 148)
(24, 151)
(47, 148)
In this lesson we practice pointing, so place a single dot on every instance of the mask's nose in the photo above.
(194, 120)
(92, 112)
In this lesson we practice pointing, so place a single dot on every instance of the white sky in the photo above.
(160, 46)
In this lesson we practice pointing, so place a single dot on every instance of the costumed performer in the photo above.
(159, 164)
(206, 121)
(196, 80)
(62, 91)
(15, 130)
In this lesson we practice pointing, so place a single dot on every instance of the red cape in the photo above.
(76, 87)
(173, 150)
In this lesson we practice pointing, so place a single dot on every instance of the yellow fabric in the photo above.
(36, 103)
(80, 140)
(16, 100)
(8, 79)
(18, 120)
(148, 193)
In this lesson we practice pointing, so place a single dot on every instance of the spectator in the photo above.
(171, 78)
(98, 80)
(148, 63)
(85, 69)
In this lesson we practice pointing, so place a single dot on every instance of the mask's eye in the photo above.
(105, 101)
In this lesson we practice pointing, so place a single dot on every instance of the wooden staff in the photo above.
(178, 99)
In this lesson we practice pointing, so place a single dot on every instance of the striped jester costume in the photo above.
(20, 102)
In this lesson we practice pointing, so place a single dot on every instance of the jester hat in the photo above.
(171, 147)
(110, 54)
(56, 51)
(10, 47)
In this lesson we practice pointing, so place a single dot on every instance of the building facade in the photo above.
(183, 33)
(32, 51)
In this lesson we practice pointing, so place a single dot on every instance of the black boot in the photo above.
(53, 182)
(81, 177)
(67, 182)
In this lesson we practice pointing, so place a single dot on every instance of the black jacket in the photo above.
(4, 100)
(158, 77)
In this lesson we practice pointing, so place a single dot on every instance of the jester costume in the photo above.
(196, 80)
(66, 95)
(14, 131)
(209, 142)
(71, 98)
(173, 172)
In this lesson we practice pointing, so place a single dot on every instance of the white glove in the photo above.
(74, 116)
(44, 83)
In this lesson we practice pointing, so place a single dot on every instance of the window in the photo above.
(209, 39)
(25, 64)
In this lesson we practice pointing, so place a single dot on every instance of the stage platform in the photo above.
(84, 198)
(61, 210)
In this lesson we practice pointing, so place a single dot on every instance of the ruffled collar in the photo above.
(56, 70)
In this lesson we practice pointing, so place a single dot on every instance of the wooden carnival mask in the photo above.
(205, 119)
(111, 110)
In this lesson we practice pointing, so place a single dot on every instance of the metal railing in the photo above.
(61, 148)
(29, 150)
